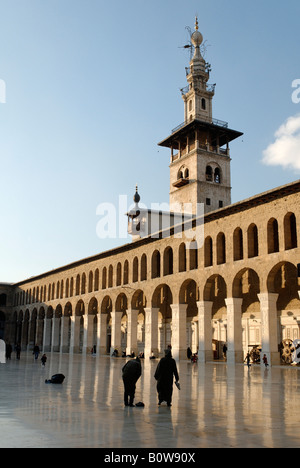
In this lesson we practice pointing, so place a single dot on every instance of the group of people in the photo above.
(36, 353)
(165, 373)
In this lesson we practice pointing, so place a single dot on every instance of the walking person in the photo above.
(8, 351)
(166, 370)
(18, 351)
(44, 360)
(36, 352)
(265, 361)
(131, 373)
(248, 357)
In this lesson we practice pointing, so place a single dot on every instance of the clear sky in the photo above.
(87, 90)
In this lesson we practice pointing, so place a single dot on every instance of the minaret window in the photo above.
(209, 173)
(182, 177)
(217, 176)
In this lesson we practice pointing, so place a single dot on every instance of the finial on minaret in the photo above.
(196, 24)
(136, 197)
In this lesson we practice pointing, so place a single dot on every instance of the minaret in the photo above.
(200, 156)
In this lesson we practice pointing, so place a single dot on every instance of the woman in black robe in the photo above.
(165, 371)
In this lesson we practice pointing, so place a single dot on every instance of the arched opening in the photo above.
(162, 299)
(215, 291)
(119, 274)
(106, 309)
(221, 248)
(182, 257)
(155, 264)
(283, 280)
(189, 295)
(246, 286)
(273, 236)
(135, 270)
(252, 241)
(139, 302)
(168, 261)
(290, 231)
(144, 267)
(238, 247)
(209, 174)
(208, 252)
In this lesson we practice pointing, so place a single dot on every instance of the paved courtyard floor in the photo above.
(218, 406)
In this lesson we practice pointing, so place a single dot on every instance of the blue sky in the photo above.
(93, 86)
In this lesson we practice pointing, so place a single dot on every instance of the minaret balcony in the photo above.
(206, 148)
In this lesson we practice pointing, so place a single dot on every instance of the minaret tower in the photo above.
(200, 155)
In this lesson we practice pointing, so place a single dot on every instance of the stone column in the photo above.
(88, 334)
(116, 331)
(179, 345)
(47, 335)
(31, 332)
(55, 334)
(75, 329)
(132, 316)
(39, 334)
(64, 335)
(234, 330)
(101, 333)
(151, 331)
(205, 352)
(269, 327)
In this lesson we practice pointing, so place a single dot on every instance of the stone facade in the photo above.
(239, 287)
(237, 284)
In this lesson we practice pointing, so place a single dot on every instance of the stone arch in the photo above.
(283, 280)
(106, 305)
(189, 294)
(68, 310)
(246, 286)
(215, 291)
(79, 309)
(93, 307)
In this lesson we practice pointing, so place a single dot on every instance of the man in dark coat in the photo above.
(165, 371)
(131, 373)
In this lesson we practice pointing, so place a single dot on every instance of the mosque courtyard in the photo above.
(218, 406)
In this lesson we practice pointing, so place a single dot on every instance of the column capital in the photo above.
(267, 298)
(234, 301)
(204, 306)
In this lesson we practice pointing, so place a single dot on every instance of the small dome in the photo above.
(197, 38)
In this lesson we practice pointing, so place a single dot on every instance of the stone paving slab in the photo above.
(218, 406)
